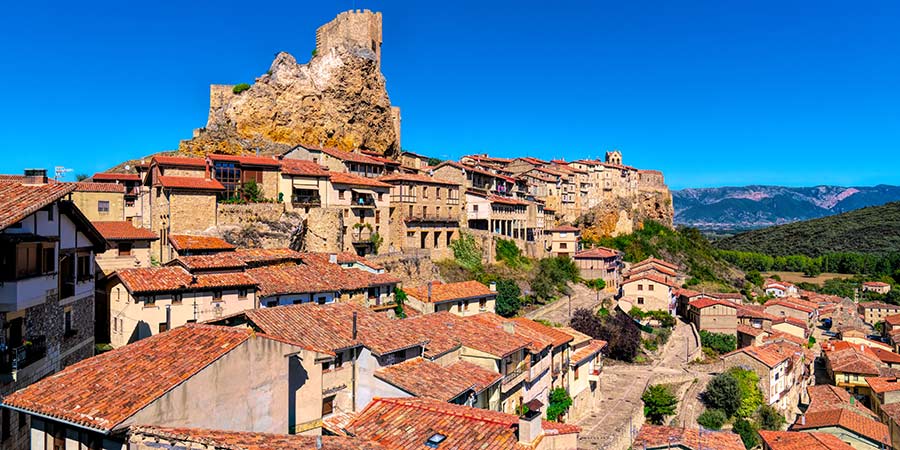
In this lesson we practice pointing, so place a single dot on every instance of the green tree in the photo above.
(508, 299)
(552, 277)
(770, 418)
(376, 241)
(754, 277)
(751, 396)
(723, 393)
(659, 402)
(712, 419)
(509, 253)
(747, 432)
(81, 177)
(251, 191)
(399, 300)
(560, 401)
(719, 342)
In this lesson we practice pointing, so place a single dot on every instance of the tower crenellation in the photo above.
(352, 29)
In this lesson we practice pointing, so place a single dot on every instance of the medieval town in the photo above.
(310, 284)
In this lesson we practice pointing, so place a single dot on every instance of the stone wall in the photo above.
(250, 213)
(191, 212)
(323, 231)
(351, 29)
(412, 269)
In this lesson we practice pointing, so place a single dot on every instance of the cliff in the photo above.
(638, 195)
(338, 99)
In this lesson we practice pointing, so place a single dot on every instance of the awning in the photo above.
(363, 191)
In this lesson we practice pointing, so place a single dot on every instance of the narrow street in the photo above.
(558, 311)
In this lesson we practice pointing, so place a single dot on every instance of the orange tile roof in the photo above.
(771, 354)
(598, 252)
(538, 340)
(755, 312)
(655, 278)
(796, 304)
(588, 351)
(875, 284)
(883, 384)
(20, 200)
(846, 419)
(892, 410)
(226, 260)
(347, 156)
(103, 391)
(182, 242)
(315, 277)
(826, 397)
(89, 186)
(792, 440)
(243, 440)
(303, 167)
(893, 319)
(656, 261)
(659, 437)
(406, 423)
(651, 267)
(267, 256)
(356, 180)
(886, 356)
(145, 280)
(423, 378)
(246, 160)
(751, 331)
(106, 176)
(414, 177)
(850, 358)
(557, 336)
(879, 305)
(444, 292)
(701, 303)
(446, 331)
(124, 231)
(194, 183)
(329, 327)
(178, 161)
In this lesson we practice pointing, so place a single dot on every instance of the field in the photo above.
(798, 277)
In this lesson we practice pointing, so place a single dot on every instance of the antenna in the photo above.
(60, 172)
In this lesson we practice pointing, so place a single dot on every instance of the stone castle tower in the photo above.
(352, 29)
(614, 157)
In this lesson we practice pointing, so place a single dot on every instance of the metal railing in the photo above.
(18, 358)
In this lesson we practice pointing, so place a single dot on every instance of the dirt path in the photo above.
(558, 311)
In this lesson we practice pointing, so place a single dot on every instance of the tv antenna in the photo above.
(60, 172)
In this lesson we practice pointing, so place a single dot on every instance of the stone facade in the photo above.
(100, 206)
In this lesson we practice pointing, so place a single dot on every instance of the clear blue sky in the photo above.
(712, 92)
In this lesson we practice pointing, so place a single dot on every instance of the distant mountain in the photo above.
(871, 230)
(748, 207)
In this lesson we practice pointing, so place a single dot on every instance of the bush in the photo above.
(508, 300)
(102, 348)
(650, 344)
(560, 401)
(747, 432)
(400, 300)
(620, 332)
(238, 88)
(723, 393)
(552, 277)
(663, 335)
(251, 191)
(510, 254)
(659, 402)
(597, 284)
(721, 343)
(770, 418)
(712, 419)
(663, 317)
(467, 253)
(748, 384)
(376, 241)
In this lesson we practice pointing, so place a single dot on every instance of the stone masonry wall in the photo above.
(249, 213)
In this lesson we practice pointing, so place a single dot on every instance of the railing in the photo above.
(362, 201)
(361, 235)
(512, 378)
(432, 216)
(23, 356)
(305, 200)
(535, 371)
(404, 198)
(452, 201)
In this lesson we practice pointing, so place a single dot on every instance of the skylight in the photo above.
(435, 440)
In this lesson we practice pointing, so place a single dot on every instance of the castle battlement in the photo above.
(351, 29)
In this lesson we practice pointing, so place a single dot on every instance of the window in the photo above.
(410, 210)
(271, 303)
(576, 371)
(474, 208)
(49, 259)
(321, 300)
(377, 216)
(176, 298)
(466, 305)
(67, 320)
(424, 191)
(23, 419)
(563, 245)
(640, 287)
(103, 206)
(327, 405)
(129, 202)
(437, 193)
(340, 194)
(458, 306)
(242, 294)
(115, 324)
(84, 267)
(640, 300)
(217, 295)
(482, 303)
(149, 301)
(381, 196)
(163, 327)
(49, 210)
(649, 287)
(124, 249)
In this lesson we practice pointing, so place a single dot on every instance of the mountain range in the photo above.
(750, 207)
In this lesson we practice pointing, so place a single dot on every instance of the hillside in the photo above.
(736, 208)
(871, 230)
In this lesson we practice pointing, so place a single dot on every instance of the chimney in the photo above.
(509, 327)
(529, 427)
(803, 418)
(35, 176)
(332, 258)
(429, 291)
(493, 286)
(354, 325)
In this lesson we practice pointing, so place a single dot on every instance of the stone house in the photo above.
(714, 316)
(424, 213)
(833, 411)
(648, 293)
(780, 289)
(755, 316)
(482, 181)
(189, 245)
(303, 185)
(132, 184)
(47, 249)
(653, 266)
(461, 383)
(848, 365)
(234, 172)
(563, 240)
(874, 312)
(466, 298)
(339, 161)
(877, 287)
(413, 162)
(195, 376)
(784, 370)
(883, 391)
(801, 310)
(581, 373)
(100, 201)
(364, 204)
(792, 326)
(602, 263)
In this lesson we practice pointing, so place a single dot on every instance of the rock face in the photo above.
(338, 99)
(624, 214)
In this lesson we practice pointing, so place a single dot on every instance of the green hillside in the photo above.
(874, 230)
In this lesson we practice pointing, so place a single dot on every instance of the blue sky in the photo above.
(711, 92)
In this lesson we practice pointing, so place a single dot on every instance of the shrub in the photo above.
(508, 300)
(400, 300)
(467, 253)
(251, 191)
(721, 343)
(712, 419)
(102, 348)
(747, 432)
(509, 253)
(618, 330)
(597, 284)
(748, 384)
(560, 401)
(376, 241)
(315, 52)
(650, 344)
(552, 277)
(663, 335)
(770, 418)
(723, 393)
(238, 88)
(659, 402)
(663, 317)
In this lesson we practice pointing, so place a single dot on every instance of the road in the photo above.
(558, 311)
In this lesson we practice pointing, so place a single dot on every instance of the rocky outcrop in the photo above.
(338, 99)
(624, 214)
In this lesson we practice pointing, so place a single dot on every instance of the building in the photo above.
(780, 289)
(884, 391)
(848, 365)
(877, 287)
(335, 160)
(600, 263)
(648, 292)
(428, 423)
(801, 310)
(874, 312)
(461, 383)
(653, 266)
(783, 367)
(100, 201)
(655, 437)
(714, 316)
(47, 250)
(793, 440)
(833, 411)
(563, 240)
(792, 326)
(582, 372)
(364, 203)
(156, 438)
(129, 246)
(235, 172)
(463, 299)
(424, 214)
(132, 183)
(181, 245)
(303, 185)
(195, 376)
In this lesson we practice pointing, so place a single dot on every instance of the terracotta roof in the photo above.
(88, 186)
(243, 440)
(356, 180)
(893, 319)
(750, 331)
(651, 267)
(792, 440)
(506, 200)
(656, 261)
(329, 327)
(178, 161)
(656, 437)
(598, 252)
(701, 303)
(103, 391)
(473, 169)
(106, 176)
(563, 229)
(407, 423)
(771, 354)
(883, 384)
(655, 278)
(880, 305)
(124, 231)
(793, 321)
(538, 340)
(755, 312)
(587, 351)
(796, 304)
(446, 331)
(226, 260)
(145, 280)
(347, 156)
(892, 410)
(315, 277)
(826, 397)
(194, 183)
(578, 337)
(444, 292)
(875, 284)
(267, 256)
(303, 167)
(846, 419)
(423, 378)
(886, 356)
(263, 161)
(417, 178)
(558, 337)
(849, 358)
(182, 242)
(21, 200)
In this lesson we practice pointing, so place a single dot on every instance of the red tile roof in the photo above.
(103, 391)
(178, 161)
(794, 303)
(645, 276)
(267, 256)
(883, 384)
(538, 340)
(303, 167)
(423, 378)
(658, 437)
(879, 305)
(105, 176)
(598, 252)
(347, 156)
(315, 277)
(329, 327)
(243, 440)
(21, 200)
(182, 242)
(850, 358)
(750, 331)
(342, 258)
(147, 280)
(415, 178)
(263, 161)
(88, 186)
(875, 284)
(444, 292)
(588, 351)
(407, 423)
(557, 336)
(634, 270)
(755, 312)
(701, 303)
(886, 356)
(770, 355)
(846, 419)
(356, 180)
(124, 231)
(656, 261)
(446, 331)
(205, 262)
(826, 397)
(893, 319)
(792, 440)
(193, 183)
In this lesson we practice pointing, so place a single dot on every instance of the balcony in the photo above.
(404, 198)
(512, 379)
(535, 371)
(452, 201)
(336, 379)
(306, 201)
(18, 358)
(362, 201)
(25, 293)
(594, 374)
(361, 235)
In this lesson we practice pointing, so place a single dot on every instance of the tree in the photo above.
(376, 241)
(723, 393)
(751, 396)
(747, 432)
(719, 342)
(552, 277)
(509, 253)
(507, 303)
(754, 277)
(712, 419)
(620, 332)
(659, 402)
(770, 418)
(251, 191)
(560, 401)
(585, 322)
(81, 177)
(399, 300)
